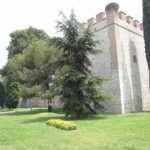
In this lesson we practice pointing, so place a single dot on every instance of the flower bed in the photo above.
(62, 124)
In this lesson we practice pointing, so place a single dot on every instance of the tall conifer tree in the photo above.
(78, 89)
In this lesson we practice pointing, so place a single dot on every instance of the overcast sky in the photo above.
(20, 14)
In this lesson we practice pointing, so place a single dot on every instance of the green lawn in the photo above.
(22, 130)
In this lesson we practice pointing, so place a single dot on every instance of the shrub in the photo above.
(62, 124)
(12, 94)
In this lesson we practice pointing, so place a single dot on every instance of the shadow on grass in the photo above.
(44, 119)
(58, 111)
(41, 119)
(24, 112)
(27, 111)
(131, 148)
(5, 110)
(56, 114)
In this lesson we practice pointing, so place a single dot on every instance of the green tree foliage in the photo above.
(32, 60)
(12, 94)
(13, 69)
(34, 66)
(39, 63)
(21, 39)
(74, 82)
(29, 93)
(2, 95)
(146, 21)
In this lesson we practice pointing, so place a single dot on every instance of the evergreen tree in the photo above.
(12, 94)
(74, 82)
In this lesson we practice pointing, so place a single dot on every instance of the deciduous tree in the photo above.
(21, 39)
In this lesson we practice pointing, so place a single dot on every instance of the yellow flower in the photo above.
(62, 124)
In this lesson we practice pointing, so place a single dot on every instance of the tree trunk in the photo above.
(146, 23)
(30, 104)
(49, 106)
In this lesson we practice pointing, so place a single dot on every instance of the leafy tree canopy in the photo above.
(34, 65)
(21, 39)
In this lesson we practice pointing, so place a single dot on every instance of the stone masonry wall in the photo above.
(121, 59)
(104, 64)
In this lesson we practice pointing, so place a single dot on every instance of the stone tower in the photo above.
(121, 60)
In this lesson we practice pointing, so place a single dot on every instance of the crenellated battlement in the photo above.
(112, 14)
(121, 59)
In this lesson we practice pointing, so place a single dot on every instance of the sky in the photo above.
(43, 14)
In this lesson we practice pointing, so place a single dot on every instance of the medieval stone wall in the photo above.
(104, 65)
(121, 59)
(130, 66)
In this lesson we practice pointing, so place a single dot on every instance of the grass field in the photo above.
(23, 130)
